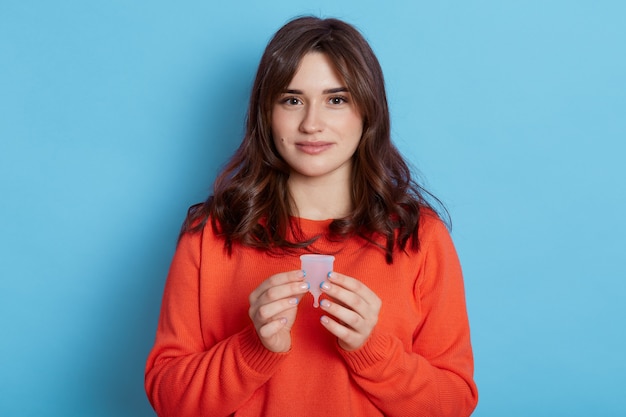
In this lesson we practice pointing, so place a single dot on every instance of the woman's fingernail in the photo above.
(293, 301)
(325, 303)
(303, 274)
(324, 319)
(324, 286)
(305, 286)
(330, 274)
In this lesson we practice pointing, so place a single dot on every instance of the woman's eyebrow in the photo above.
(336, 90)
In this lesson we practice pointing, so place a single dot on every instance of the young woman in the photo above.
(316, 173)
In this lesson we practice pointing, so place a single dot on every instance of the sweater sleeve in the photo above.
(184, 377)
(436, 377)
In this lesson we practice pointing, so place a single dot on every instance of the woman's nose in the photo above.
(312, 120)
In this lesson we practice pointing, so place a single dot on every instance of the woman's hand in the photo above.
(273, 308)
(354, 307)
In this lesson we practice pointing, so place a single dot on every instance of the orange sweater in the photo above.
(208, 361)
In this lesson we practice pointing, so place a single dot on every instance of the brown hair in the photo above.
(250, 204)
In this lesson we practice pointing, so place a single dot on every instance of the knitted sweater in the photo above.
(207, 359)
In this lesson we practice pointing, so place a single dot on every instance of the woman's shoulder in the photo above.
(429, 218)
(199, 223)
(432, 227)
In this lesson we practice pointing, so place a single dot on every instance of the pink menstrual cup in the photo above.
(316, 268)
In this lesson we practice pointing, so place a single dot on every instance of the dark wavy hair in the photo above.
(251, 204)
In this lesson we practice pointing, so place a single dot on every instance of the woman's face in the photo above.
(315, 123)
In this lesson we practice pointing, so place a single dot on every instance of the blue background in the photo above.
(115, 117)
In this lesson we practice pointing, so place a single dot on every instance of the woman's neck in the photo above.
(320, 198)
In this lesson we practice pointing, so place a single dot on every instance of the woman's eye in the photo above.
(291, 101)
(338, 100)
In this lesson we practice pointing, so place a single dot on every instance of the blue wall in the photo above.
(115, 117)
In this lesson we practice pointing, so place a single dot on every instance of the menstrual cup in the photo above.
(316, 268)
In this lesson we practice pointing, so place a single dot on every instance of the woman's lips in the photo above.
(313, 148)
